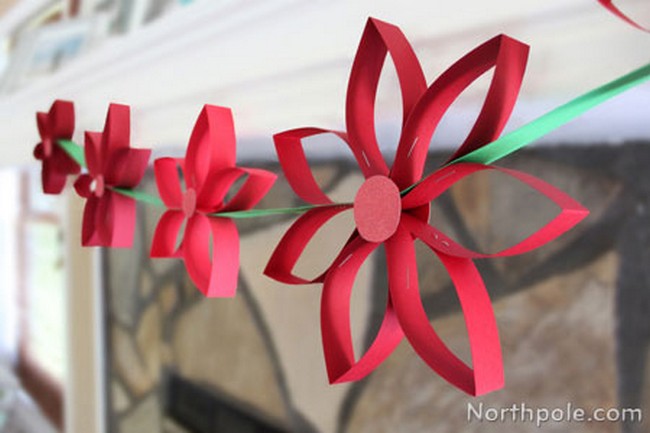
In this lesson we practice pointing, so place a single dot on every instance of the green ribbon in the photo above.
(487, 154)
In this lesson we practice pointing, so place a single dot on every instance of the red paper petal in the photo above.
(487, 372)
(89, 236)
(216, 276)
(293, 161)
(117, 131)
(290, 248)
(82, 185)
(216, 187)
(127, 167)
(211, 147)
(335, 319)
(166, 234)
(93, 153)
(610, 6)
(61, 119)
(168, 182)
(379, 38)
(255, 187)
(118, 225)
(63, 162)
(43, 125)
(508, 56)
(571, 212)
(52, 180)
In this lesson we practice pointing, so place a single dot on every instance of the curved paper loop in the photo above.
(610, 6)
(288, 145)
(168, 182)
(214, 273)
(127, 167)
(82, 185)
(164, 243)
(211, 147)
(116, 223)
(571, 212)
(89, 236)
(508, 56)
(487, 372)
(378, 40)
(335, 319)
(117, 131)
(52, 180)
(61, 119)
(93, 153)
(255, 187)
(295, 240)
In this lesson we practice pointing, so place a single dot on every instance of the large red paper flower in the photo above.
(109, 217)
(57, 124)
(210, 245)
(385, 215)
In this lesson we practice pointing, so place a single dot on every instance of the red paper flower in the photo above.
(57, 124)
(384, 215)
(109, 217)
(610, 6)
(210, 245)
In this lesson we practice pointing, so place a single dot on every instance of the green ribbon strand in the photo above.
(74, 151)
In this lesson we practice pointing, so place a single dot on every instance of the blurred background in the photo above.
(110, 341)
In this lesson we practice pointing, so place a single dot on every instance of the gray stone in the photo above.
(558, 347)
(146, 417)
(129, 364)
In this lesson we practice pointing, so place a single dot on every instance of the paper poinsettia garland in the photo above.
(206, 190)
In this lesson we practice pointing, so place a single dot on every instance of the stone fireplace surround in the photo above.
(572, 315)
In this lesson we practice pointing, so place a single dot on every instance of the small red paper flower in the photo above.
(210, 245)
(57, 124)
(109, 217)
(385, 215)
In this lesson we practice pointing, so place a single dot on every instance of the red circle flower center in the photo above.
(189, 202)
(97, 185)
(377, 208)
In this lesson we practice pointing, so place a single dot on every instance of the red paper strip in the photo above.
(210, 244)
(398, 222)
(109, 217)
(55, 125)
(610, 6)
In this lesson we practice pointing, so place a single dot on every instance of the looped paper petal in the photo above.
(109, 217)
(57, 124)
(295, 240)
(211, 146)
(164, 243)
(487, 372)
(168, 182)
(293, 161)
(335, 319)
(379, 38)
(610, 6)
(108, 220)
(571, 212)
(508, 56)
(211, 255)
